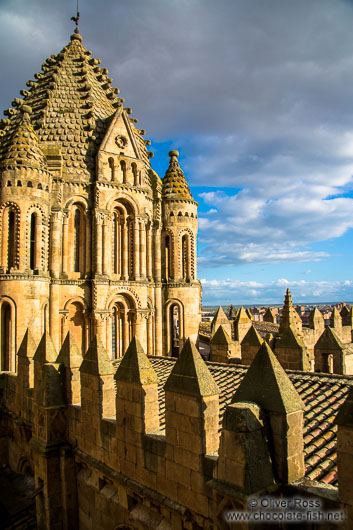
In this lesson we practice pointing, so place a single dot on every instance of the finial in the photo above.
(173, 154)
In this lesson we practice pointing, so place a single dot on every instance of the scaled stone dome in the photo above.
(72, 103)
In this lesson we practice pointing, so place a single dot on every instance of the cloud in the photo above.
(263, 106)
(249, 292)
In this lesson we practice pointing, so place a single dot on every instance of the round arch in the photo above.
(8, 326)
(174, 319)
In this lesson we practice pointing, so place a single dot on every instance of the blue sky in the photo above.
(257, 97)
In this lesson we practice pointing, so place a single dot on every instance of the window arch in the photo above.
(111, 168)
(185, 257)
(167, 257)
(10, 222)
(122, 239)
(175, 327)
(33, 242)
(11, 239)
(135, 174)
(6, 335)
(123, 170)
(122, 329)
(77, 239)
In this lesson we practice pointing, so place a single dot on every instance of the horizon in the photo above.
(261, 114)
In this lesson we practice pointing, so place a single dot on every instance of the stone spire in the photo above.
(316, 320)
(220, 319)
(174, 182)
(269, 316)
(190, 374)
(135, 366)
(96, 360)
(267, 384)
(22, 149)
(290, 318)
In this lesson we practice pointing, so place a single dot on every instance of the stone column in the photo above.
(136, 249)
(88, 266)
(125, 332)
(125, 250)
(106, 247)
(158, 322)
(149, 252)
(157, 254)
(65, 249)
(54, 317)
(98, 244)
(143, 250)
(150, 334)
(55, 250)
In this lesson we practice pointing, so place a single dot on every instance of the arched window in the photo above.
(77, 240)
(167, 258)
(134, 172)
(123, 170)
(11, 240)
(174, 315)
(33, 243)
(122, 329)
(185, 257)
(111, 167)
(6, 335)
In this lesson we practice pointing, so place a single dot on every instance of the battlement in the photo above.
(184, 431)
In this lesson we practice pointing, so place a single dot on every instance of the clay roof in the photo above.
(322, 394)
(72, 104)
(174, 182)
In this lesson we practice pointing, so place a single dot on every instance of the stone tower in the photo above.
(92, 240)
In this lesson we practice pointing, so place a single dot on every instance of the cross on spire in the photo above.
(76, 18)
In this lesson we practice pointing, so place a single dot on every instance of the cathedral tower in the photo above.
(92, 240)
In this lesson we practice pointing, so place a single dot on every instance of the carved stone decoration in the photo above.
(121, 141)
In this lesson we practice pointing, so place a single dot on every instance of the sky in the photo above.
(257, 97)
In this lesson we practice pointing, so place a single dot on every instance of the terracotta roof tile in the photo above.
(322, 394)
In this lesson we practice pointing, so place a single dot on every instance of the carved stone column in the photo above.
(106, 247)
(136, 249)
(55, 239)
(149, 251)
(143, 250)
(157, 254)
(65, 246)
(125, 250)
(98, 244)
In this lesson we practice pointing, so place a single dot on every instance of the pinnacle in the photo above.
(135, 366)
(190, 374)
(329, 338)
(45, 352)
(96, 360)
(242, 315)
(22, 148)
(69, 353)
(252, 338)
(221, 337)
(219, 319)
(174, 182)
(267, 384)
(28, 346)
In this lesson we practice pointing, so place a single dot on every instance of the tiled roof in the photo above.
(72, 104)
(323, 395)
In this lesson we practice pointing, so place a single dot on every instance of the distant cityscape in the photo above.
(258, 313)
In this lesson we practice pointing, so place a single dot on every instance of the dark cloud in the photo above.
(256, 94)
